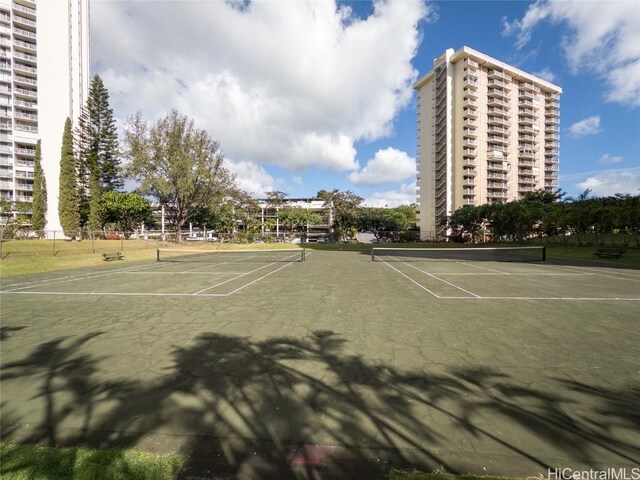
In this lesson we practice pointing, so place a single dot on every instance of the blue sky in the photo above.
(306, 96)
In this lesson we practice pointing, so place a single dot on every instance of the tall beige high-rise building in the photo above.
(487, 132)
(44, 77)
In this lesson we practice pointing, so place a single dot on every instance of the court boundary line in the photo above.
(410, 279)
(120, 294)
(443, 281)
(258, 279)
(73, 278)
(478, 297)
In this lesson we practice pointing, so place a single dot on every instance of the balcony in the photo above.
(469, 161)
(470, 132)
(526, 129)
(25, 45)
(497, 74)
(526, 154)
(551, 168)
(471, 63)
(496, 102)
(500, 130)
(549, 145)
(498, 92)
(527, 138)
(24, 80)
(528, 87)
(471, 81)
(551, 122)
(469, 171)
(23, 9)
(470, 112)
(496, 166)
(470, 103)
(525, 120)
(523, 94)
(24, 104)
(526, 162)
(25, 151)
(469, 182)
(470, 122)
(525, 171)
(497, 176)
(469, 152)
(23, 33)
(527, 103)
(497, 121)
(23, 21)
(470, 93)
(25, 56)
(28, 187)
(25, 116)
(497, 139)
(26, 93)
(550, 137)
(497, 185)
(20, 174)
(551, 112)
(498, 111)
(526, 112)
(19, 67)
(496, 194)
(496, 82)
(26, 128)
(469, 142)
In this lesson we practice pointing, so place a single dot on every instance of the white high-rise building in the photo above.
(487, 132)
(44, 76)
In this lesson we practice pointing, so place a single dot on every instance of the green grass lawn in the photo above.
(36, 256)
(29, 462)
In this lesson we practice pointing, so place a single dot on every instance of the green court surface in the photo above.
(264, 367)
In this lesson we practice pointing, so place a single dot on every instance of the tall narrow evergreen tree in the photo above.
(68, 207)
(39, 207)
(96, 141)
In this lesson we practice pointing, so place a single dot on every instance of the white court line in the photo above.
(188, 272)
(444, 281)
(600, 299)
(410, 279)
(239, 276)
(119, 294)
(258, 279)
(484, 268)
(73, 278)
(509, 274)
(598, 272)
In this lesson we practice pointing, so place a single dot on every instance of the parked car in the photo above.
(279, 240)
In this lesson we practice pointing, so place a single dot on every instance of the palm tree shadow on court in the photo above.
(291, 407)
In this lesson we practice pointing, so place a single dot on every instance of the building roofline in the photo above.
(483, 59)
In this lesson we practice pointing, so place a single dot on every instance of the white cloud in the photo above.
(293, 84)
(405, 195)
(610, 182)
(297, 180)
(610, 159)
(387, 165)
(588, 126)
(546, 74)
(252, 178)
(604, 38)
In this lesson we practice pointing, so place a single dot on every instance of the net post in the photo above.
(544, 253)
(157, 254)
(373, 254)
(304, 254)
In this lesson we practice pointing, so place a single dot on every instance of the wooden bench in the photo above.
(112, 256)
(609, 252)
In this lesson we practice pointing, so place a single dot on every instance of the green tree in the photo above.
(68, 208)
(177, 164)
(97, 140)
(39, 207)
(126, 211)
(383, 221)
(296, 219)
(344, 208)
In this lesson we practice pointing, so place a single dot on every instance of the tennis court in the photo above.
(262, 365)
(176, 273)
(518, 273)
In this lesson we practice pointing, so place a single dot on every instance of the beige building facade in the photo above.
(44, 78)
(487, 132)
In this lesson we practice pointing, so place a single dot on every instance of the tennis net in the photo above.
(231, 256)
(493, 254)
